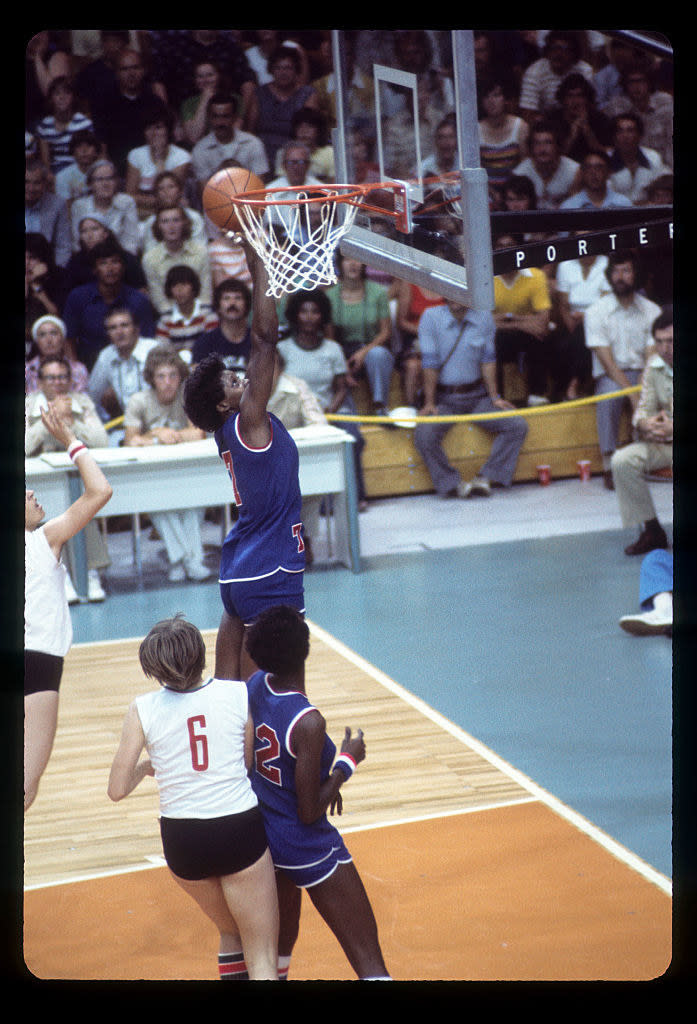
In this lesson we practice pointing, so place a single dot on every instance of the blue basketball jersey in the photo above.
(292, 843)
(267, 535)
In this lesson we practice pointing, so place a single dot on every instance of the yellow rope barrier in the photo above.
(536, 410)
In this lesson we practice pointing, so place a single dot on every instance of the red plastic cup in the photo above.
(584, 469)
(544, 475)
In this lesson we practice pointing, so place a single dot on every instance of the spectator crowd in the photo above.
(128, 283)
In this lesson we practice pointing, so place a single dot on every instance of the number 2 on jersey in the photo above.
(264, 755)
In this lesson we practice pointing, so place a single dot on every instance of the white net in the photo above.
(297, 239)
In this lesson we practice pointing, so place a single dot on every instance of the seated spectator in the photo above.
(640, 96)
(44, 212)
(362, 324)
(231, 339)
(97, 76)
(119, 370)
(225, 141)
(554, 175)
(77, 409)
(158, 154)
(459, 371)
(633, 167)
(176, 53)
(399, 133)
(116, 209)
(309, 126)
(48, 335)
(653, 450)
(189, 317)
(118, 112)
(443, 155)
(295, 161)
(266, 42)
(578, 284)
(45, 284)
(193, 113)
(172, 231)
(310, 354)
(360, 98)
(503, 135)
(540, 81)
(522, 305)
(87, 305)
(582, 128)
(412, 300)
(47, 57)
(279, 99)
(71, 181)
(168, 191)
(519, 195)
(63, 120)
(618, 333)
(156, 416)
(92, 230)
(595, 194)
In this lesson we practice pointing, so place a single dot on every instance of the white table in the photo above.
(160, 478)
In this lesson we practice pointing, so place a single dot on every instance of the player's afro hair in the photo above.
(203, 390)
(278, 641)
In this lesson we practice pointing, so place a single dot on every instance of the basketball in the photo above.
(218, 189)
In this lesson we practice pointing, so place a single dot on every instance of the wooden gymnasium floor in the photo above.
(475, 873)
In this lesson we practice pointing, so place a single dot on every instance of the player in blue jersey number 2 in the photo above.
(262, 562)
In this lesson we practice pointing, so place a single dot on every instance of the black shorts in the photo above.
(197, 848)
(41, 672)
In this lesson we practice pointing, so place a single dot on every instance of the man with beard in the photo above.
(618, 333)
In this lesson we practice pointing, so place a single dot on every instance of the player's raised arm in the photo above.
(254, 422)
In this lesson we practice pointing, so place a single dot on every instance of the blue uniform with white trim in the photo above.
(308, 854)
(263, 557)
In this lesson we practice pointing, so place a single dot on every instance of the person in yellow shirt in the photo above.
(522, 305)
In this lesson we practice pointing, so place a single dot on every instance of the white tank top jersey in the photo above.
(47, 624)
(195, 740)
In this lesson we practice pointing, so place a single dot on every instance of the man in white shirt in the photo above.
(541, 79)
(618, 333)
(226, 142)
(118, 371)
(554, 175)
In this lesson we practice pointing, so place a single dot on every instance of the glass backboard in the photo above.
(406, 111)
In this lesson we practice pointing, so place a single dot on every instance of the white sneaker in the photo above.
(534, 400)
(70, 592)
(651, 623)
(95, 591)
(196, 570)
(176, 573)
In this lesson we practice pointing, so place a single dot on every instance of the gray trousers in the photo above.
(609, 412)
(509, 435)
(633, 492)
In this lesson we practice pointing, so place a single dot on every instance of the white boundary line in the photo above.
(536, 792)
(575, 819)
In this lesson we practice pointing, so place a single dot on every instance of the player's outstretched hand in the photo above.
(57, 426)
(354, 746)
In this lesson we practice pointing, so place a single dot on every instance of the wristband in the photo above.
(76, 449)
(345, 764)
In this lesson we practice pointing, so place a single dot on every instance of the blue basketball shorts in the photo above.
(246, 599)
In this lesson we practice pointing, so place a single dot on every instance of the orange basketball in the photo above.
(218, 189)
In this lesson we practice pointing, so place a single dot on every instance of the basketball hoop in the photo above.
(295, 229)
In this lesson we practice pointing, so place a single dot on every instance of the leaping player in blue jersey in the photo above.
(263, 557)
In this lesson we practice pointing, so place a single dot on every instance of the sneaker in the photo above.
(95, 591)
(176, 573)
(534, 400)
(70, 592)
(480, 485)
(196, 570)
(651, 623)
